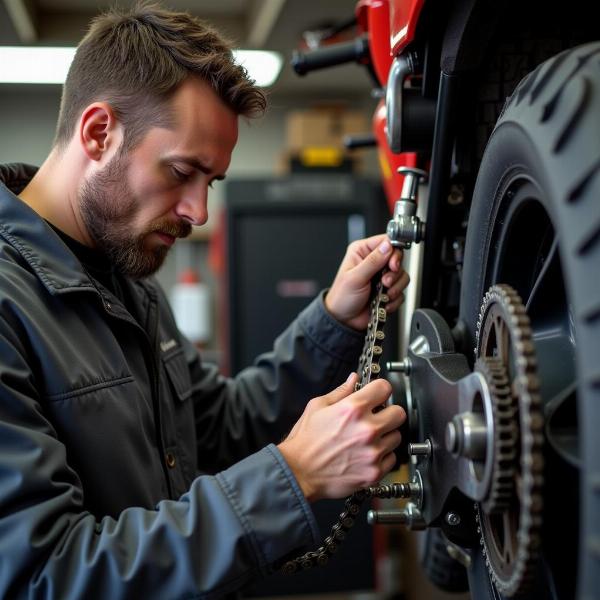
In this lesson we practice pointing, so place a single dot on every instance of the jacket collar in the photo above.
(23, 229)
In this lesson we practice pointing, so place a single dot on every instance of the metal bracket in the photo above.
(406, 228)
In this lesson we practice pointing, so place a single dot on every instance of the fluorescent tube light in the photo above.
(43, 64)
(33, 64)
(262, 66)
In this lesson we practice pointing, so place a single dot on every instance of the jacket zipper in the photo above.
(156, 394)
(153, 368)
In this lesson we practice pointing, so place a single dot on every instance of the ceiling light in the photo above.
(42, 64)
(262, 66)
(32, 64)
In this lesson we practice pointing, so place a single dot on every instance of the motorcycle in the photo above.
(488, 131)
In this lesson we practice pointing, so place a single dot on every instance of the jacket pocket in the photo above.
(178, 421)
(90, 387)
(178, 374)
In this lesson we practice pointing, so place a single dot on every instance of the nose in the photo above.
(192, 206)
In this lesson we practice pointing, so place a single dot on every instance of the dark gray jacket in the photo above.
(126, 465)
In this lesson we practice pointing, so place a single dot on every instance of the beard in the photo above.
(108, 209)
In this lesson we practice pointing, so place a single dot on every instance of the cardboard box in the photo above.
(322, 127)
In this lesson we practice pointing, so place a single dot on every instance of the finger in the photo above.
(398, 286)
(374, 241)
(395, 261)
(374, 262)
(375, 393)
(390, 441)
(390, 279)
(389, 419)
(362, 248)
(404, 280)
(341, 391)
(393, 305)
(388, 463)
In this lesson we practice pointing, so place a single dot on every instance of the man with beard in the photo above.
(128, 467)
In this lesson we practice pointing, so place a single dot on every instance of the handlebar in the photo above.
(365, 140)
(337, 54)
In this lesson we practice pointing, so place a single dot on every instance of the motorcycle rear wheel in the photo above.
(535, 225)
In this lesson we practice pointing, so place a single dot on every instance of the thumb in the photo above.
(374, 261)
(342, 391)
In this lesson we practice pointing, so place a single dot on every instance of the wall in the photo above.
(27, 122)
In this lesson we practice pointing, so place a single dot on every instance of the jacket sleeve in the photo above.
(235, 417)
(224, 531)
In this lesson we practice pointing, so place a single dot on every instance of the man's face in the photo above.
(136, 207)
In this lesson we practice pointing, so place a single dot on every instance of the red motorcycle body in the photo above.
(390, 26)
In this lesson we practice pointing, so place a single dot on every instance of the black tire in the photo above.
(440, 568)
(535, 225)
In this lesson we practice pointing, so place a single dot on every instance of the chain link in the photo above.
(368, 363)
(368, 369)
(344, 523)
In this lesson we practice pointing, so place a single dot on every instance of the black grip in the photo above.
(365, 140)
(336, 54)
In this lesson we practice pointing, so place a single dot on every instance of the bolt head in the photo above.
(392, 230)
(452, 519)
(420, 448)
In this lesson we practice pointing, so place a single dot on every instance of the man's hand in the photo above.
(348, 298)
(339, 444)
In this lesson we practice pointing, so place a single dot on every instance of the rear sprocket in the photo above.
(510, 521)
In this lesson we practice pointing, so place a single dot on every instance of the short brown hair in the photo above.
(135, 60)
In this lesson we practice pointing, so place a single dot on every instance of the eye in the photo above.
(180, 175)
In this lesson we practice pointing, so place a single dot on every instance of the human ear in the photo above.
(98, 130)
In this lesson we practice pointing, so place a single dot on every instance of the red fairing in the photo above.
(361, 11)
(388, 161)
(403, 23)
(373, 16)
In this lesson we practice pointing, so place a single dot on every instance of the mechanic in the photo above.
(128, 467)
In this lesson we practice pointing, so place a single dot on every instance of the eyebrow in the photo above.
(195, 163)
